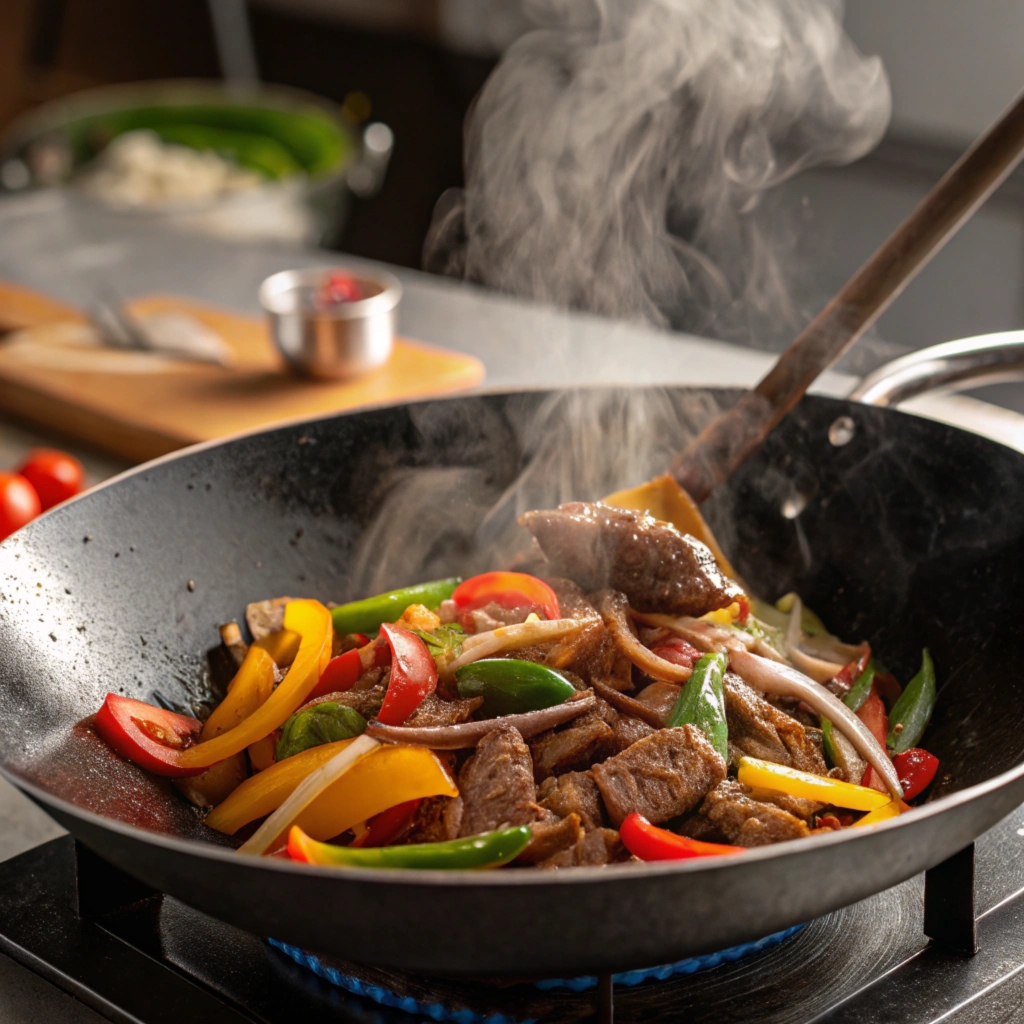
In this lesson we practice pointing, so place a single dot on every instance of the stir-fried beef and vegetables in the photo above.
(630, 700)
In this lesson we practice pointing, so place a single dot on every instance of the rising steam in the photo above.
(616, 157)
(477, 469)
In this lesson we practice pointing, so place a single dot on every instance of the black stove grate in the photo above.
(140, 958)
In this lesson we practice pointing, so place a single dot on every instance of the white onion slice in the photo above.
(613, 609)
(306, 792)
(510, 638)
(820, 671)
(783, 681)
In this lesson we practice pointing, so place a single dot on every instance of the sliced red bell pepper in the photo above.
(508, 589)
(383, 828)
(916, 768)
(344, 671)
(648, 842)
(413, 675)
(148, 736)
(872, 714)
(676, 650)
(341, 674)
(852, 673)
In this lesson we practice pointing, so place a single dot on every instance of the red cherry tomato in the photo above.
(19, 503)
(148, 736)
(508, 589)
(55, 475)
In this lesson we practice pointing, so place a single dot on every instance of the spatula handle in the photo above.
(736, 433)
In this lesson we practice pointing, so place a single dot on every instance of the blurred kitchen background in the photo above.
(415, 66)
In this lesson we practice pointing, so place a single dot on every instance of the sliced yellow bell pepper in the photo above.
(263, 753)
(282, 646)
(888, 810)
(724, 616)
(214, 785)
(388, 776)
(664, 499)
(265, 792)
(312, 621)
(251, 686)
(765, 775)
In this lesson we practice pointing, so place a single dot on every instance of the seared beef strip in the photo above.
(628, 730)
(496, 784)
(575, 746)
(660, 697)
(591, 652)
(437, 819)
(593, 849)
(573, 793)
(265, 617)
(661, 776)
(656, 566)
(760, 729)
(550, 836)
(738, 818)
(436, 711)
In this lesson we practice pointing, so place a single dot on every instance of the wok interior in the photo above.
(907, 536)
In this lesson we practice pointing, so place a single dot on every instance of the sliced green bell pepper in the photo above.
(702, 702)
(838, 750)
(366, 616)
(322, 723)
(861, 689)
(487, 850)
(910, 714)
(510, 687)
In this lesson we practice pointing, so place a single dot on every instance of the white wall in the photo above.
(954, 64)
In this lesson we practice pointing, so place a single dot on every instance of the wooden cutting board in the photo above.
(140, 414)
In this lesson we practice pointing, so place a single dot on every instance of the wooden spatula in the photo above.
(736, 433)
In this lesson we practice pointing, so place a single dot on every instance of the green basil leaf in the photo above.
(443, 642)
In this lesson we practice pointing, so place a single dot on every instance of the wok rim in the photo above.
(582, 875)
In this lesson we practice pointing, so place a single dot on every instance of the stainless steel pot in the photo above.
(301, 210)
(949, 368)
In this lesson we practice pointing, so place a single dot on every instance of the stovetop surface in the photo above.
(159, 962)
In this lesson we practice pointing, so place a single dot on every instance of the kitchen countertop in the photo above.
(51, 243)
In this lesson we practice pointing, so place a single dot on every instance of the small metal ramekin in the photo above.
(345, 340)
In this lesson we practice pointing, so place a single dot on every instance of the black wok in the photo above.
(910, 535)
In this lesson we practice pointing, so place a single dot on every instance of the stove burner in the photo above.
(439, 1012)
(141, 958)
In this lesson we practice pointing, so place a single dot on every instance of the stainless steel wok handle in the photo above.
(951, 366)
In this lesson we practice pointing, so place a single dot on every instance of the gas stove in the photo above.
(138, 957)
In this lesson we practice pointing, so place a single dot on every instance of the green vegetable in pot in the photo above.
(861, 689)
(702, 702)
(487, 850)
(320, 723)
(910, 714)
(366, 616)
(510, 687)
